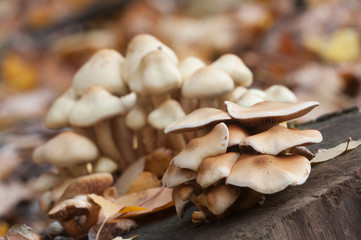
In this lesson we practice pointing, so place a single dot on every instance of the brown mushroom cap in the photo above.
(268, 112)
(236, 134)
(197, 119)
(215, 168)
(213, 143)
(221, 197)
(278, 139)
(207, 82)
(175, 176)
(65, 150)
(69, 208)
(94, 183)
(269, 174)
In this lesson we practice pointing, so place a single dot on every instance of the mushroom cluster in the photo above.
(117, 109)
(245, 153)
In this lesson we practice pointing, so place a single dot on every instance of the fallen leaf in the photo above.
(153, 199)
(109, 209)
(323, 155)
(144, 180)
(129, 175)
(158, 161)
(4, 227)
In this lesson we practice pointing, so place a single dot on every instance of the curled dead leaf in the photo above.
(144, 180)
(324, 155)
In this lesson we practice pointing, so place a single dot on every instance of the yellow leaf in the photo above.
(109, 209)
(4, 227)
(131, 209)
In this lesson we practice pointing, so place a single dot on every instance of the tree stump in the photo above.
(327, 206)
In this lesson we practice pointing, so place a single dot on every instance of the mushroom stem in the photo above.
(208, 102)
(72, 228)
(123, 139)
(84, 131)
(178, 142)
(106, 143)
(158, 99)
(148, 138)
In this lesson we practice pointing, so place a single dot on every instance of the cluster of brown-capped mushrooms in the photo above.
(116, 111)
(244, 153)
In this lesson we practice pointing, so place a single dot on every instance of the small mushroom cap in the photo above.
(46, 182)
(207, 82)
(249, 99)
(268, 112)
(59, 111)
(221, 197)
(168, 112)
(215, 168)
(278, 139)
(236, 134)
(175, 176)
(190, 65)
(280, 93)
(97, 104)
(269, 174)
(137, 48)
(65, 150)
(102, 69)
(213, 143)
(156, 74)
(69, 208)
(95, 183)
(197, 119)
(235, 67)
(105, 164)
(234, 95)
(136, 118)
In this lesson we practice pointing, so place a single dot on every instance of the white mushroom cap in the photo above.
(221, 197)
(250, 99)
(197, 119)
(175, 176)
(269, 174)
(190, 65)
(213, 169)
(207, 82)
(102, 69)
(234, 95)
(278, 139)
(166, 113)
(97, 104)
(155, 74)
(137, 48)
(235, 67)
(106, 165)
(59, 111)
(268, 112)
(279, 93)
(136, 118)
(213, 143)
(65, 150)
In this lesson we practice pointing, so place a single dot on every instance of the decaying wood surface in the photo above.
(327, 206)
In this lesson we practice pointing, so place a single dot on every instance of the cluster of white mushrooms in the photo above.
(118, 107)
(244, 153)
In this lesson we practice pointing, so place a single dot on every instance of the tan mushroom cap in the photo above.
(268, 112)
(168, 112)
(59, 111)
(215, 168)
(213, 143)
(137, 48)
(97, 104)
(105, 165)
(221, 197)
(190, 65)
(250, 99)
(197, 119)
(102, 69)
(95, 183)
(236, 134)
(69, 208)
(235, 67)
(155, 74)
(65, 150)
(207, 82)
(269, 174)
(175, 176)
(136, 118)
(278, 139)
(280, 93)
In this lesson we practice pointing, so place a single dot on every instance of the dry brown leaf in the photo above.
(158, 161)
(154, 199)
(109, 209)
(323, 155)
(144, 180)
(129, 175)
